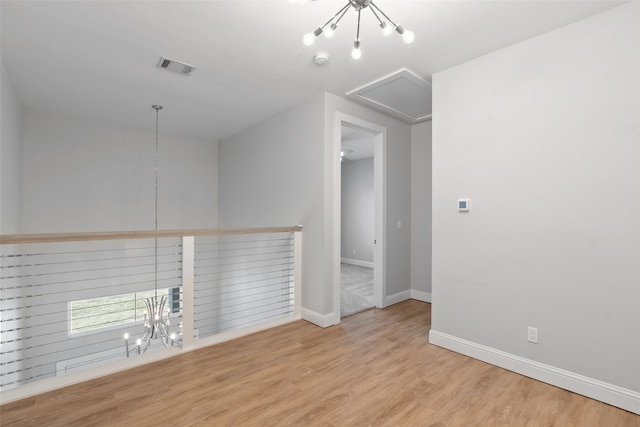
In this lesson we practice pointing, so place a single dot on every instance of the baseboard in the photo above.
(420, 295)
(357, 262)
(608, 393)
(396, 298)
(322, 320)
(405, 295)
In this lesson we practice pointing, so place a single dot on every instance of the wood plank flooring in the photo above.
(375, 369)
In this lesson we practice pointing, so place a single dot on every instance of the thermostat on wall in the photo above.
(463, 205)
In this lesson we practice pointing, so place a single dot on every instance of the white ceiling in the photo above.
(97, 59)
(357, 144)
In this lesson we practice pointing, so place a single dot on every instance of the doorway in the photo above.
(357, 220)
(359, 213)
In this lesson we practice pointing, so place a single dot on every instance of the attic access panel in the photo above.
(402, 94)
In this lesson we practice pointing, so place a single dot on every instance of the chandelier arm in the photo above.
(373, 5)
(164, 339)
(358, 30)
(343, 11)
(147, 302)
(337, 21)
(164, 335)
(145, 339)
(376, 15)
(387, 24)
(146, 335)
(163, 302)
(146, 345)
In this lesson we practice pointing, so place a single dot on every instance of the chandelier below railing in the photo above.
(358, 6)
(155, 324)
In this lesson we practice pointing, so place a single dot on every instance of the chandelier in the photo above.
(156, 325)
(387, 25)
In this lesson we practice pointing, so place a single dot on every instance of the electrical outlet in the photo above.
(532, 335)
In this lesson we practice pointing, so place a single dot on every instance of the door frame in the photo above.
(380, 204)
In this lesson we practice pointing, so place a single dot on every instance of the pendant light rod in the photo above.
(157, 108)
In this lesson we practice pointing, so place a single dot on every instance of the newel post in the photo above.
(297, 273)
(188, 277)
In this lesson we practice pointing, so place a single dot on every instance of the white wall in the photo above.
(357, 210)
(421, 210)
(544, 137)
(10, 157)
(280, 172)
(272, 175)
(91, 176)
(10, 212)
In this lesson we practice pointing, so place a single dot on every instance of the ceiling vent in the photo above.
(176, 66)
(402, 94)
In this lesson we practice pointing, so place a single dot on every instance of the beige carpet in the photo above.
(356, 292)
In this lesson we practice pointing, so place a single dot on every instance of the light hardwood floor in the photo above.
(376, 368)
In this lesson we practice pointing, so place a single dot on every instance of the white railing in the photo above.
(75, 303)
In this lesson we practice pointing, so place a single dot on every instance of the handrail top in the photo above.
(12, 239)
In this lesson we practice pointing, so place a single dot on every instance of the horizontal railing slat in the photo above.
(12, 239)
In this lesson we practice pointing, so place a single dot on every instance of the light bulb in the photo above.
(308, 39)
(386, 28)
(139, 341)
(126, 336)
(356, 53)
(328, 33)
(408, 36)
(173, 337)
